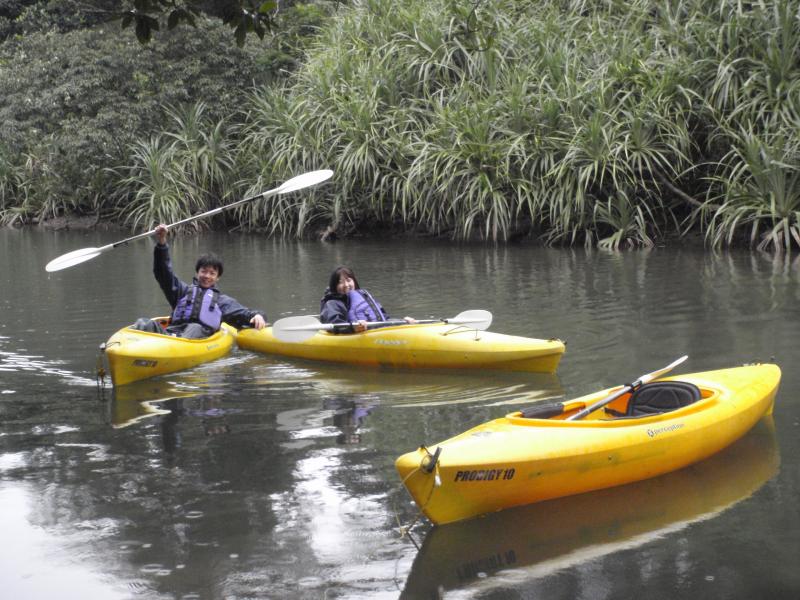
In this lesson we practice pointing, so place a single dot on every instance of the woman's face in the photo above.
(345, 285)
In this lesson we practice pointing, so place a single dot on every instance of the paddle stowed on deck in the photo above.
(551, 451)
(459, 342)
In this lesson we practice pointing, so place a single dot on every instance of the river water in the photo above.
(262, 477)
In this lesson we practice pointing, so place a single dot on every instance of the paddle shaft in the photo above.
(625, 389)
(208, 213)
(300, 328)
(296, 183)
(92, 252)
(390, 323)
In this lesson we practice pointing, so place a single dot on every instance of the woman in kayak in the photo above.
(199, 309)
(347, 303)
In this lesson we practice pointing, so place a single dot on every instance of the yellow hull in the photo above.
(135, 355)
(514, 461)
(417, 346)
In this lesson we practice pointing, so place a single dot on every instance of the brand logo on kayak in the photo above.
(666, 429)
(485, 475)
(391, 342)
(140, 362)
(211, 346)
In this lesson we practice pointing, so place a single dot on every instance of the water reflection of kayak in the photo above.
(137, 401)
(430, 388)
(544, 537)
(134, 355)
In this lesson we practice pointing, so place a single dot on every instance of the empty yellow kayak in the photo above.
(133, 355)
(435, 345)
(548, 536)
(539, 454)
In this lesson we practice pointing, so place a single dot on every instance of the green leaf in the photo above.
(241, 33)
(143, 31)
(174, 19)
(267, 6)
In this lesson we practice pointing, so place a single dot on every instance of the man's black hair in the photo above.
(209, 260)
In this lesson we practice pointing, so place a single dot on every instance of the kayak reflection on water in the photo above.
(538, 539)
(137, 401)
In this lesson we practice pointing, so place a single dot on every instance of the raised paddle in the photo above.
(300, 329)
(625, 389)
(76, 257)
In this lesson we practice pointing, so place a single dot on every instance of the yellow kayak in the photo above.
(548, 536)
(539, 454)
(134, 355)
(434, 345)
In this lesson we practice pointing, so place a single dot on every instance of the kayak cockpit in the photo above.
(658, 398)
(647, 400)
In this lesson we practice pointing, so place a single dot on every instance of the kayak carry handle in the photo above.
(429, 462)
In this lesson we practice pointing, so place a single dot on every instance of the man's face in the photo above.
(207, 277)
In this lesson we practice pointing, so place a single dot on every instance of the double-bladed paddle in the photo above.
(300, 329)
(76, 257)
(625, 389)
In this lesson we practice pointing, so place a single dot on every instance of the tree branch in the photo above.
(681, 194)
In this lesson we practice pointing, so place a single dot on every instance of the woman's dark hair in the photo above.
(337, 274)
(209, 260)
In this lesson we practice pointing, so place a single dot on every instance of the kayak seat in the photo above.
(660, 397)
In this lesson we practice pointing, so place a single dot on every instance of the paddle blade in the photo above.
(476, 319)
(642, 380)
(70, 259)
(656, 374)
(305, 180)
(297, 329)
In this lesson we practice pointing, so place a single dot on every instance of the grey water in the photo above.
(260, 476)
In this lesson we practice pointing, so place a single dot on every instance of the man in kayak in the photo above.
(347, 303)
(199, 309)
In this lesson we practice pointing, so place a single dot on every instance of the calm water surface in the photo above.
(262, 477)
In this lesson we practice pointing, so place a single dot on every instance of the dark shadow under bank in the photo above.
(371, 232)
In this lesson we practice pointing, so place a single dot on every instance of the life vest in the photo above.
(363, 307)
(198, 306)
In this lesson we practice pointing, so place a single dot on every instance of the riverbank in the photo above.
(611, 126)
(691, 239)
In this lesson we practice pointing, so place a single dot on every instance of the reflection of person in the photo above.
(170, 433)
(199, 309)
(347, 303)
(349, 415)
(213, 417)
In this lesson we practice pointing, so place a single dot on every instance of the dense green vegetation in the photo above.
(602, 123)
(79, 102)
